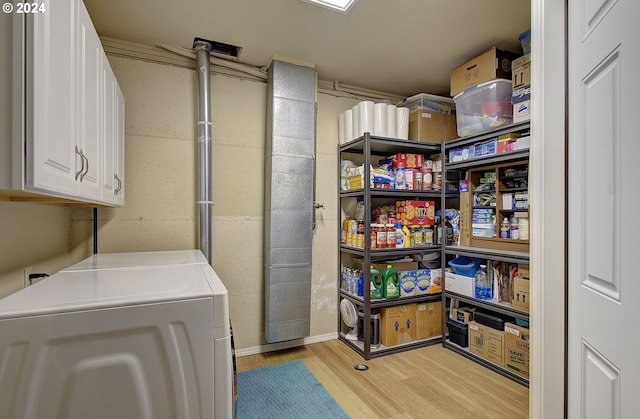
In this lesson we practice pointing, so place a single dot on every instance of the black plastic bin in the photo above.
(458, 332)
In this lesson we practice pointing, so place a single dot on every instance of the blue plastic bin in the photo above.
(466, 266)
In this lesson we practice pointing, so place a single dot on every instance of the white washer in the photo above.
(119, 340)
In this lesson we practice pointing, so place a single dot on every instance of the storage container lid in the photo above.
(472, 89)
(429, 102)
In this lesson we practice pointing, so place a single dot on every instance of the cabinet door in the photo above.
(109, 182)
(90, 106)
(119, 150)
(51, 63)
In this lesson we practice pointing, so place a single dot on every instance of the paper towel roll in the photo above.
(380, 120)
(355, 121)
(402, 123)
(348, 125)
(365, 117)
(341, 137)
(391, 121)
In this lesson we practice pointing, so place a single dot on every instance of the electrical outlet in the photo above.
(27, 272)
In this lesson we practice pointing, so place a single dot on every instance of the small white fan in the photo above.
(350, 318)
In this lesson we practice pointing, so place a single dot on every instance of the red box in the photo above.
(415, 212)
(410, 161)
(505, 145)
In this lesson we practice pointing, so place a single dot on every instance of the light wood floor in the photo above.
(431, 382)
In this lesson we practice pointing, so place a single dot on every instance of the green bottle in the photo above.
(375, 290)
(391, 282)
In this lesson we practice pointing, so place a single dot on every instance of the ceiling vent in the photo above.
(220, 49)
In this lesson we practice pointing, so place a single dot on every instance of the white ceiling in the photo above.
(397, 46)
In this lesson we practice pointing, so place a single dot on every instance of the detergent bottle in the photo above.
(375, 291)
(391, 282)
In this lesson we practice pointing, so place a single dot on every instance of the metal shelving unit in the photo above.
(368, 145)
(486, 253)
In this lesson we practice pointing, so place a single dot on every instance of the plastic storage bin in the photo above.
(458, 332)
(465, 266)
(484, 107)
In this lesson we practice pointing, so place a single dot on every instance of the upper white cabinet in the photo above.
(67, 115)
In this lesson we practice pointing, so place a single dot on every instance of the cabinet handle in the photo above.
(79, 153)
(119, 187)
(86, 170)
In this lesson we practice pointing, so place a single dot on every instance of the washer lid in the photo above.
(86, 290)
(139, 259)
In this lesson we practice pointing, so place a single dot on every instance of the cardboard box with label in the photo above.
(521, 84)
(428, 320)
(462, 314)
(516, 347)
(493, 64)
(397, 324)
(487, 343)
(521, 294)
(476, 338)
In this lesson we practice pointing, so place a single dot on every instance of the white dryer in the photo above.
(118, 337)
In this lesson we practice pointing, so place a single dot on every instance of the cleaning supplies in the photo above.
(391, 282)
(376, 289)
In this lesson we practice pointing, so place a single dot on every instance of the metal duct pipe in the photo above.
(204, 202)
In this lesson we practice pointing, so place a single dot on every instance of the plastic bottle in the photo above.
(407, 236)
(401, 179)
(390, 282)
(375, 278)
(482, 284)
(400, 234)
(514, 233)
(505, 228)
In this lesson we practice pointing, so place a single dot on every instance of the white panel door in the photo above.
(604, 229)
(51, 55)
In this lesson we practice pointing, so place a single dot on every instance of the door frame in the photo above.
(547, 167)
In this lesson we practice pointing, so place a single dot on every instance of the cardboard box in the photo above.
(397, 324)
(521, 71)
(487, 343)
(459, 284)
(465, 214)
(423, 282)
(493, 64)
(493, 349)
(486, 148)
(415, 212)
(522, 111)
(432, 127)
(436, 281)
(516, 348)
(400, 266)
(407, 283)
(476, 338)
(428, 320)
(462, 314)
(521, 294)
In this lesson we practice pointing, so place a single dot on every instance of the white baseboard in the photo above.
(285, 345)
